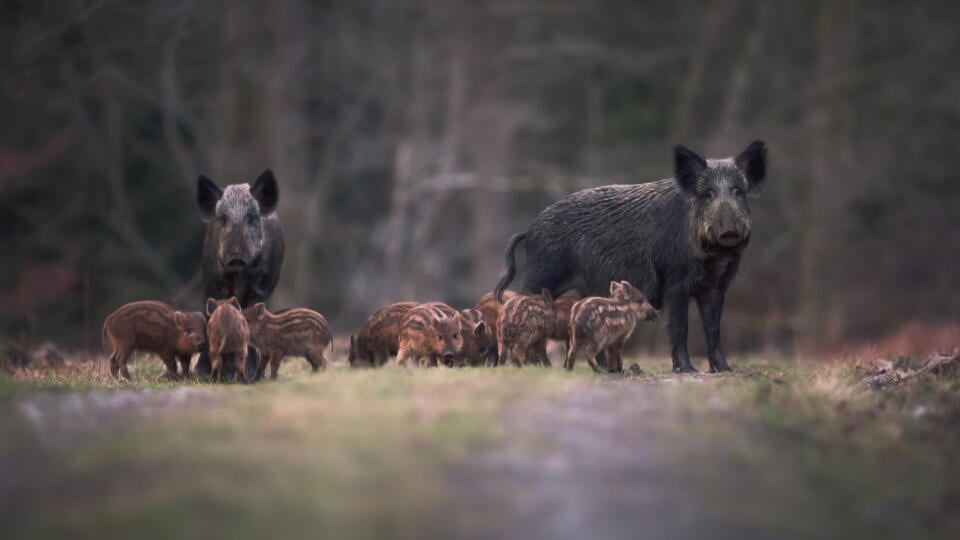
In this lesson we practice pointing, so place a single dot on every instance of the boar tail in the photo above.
(511, 266)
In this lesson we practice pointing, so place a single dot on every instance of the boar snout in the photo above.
(729, 238)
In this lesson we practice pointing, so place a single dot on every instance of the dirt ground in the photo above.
(777, 449)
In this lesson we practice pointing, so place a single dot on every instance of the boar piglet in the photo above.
(429, 336)
(603, 325)
(297, 331)
(524, 324)
(228, 337)
(562, 306)
(154, 327)
(378, 338)
(477, 338)
(490, 307)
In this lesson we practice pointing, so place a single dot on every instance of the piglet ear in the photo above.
(266, 192)
(211, 306)
(687, 167)
(234, 302)
(615, 288)
(753, 163)
(208, 195)
(178, 319)
(258, 310)
(480, 329)
(545, 293)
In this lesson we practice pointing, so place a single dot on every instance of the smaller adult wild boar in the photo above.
(378, 338)
(562, 306)
(155, 327)
(429, 336)
(297, 331)
(523, 327)
(605, 324)
(228, 337)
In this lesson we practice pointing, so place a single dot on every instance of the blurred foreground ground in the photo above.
(777, 449)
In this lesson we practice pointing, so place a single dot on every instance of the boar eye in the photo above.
(737, 192)
(707, 195)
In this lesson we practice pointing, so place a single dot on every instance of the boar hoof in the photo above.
(685, 368)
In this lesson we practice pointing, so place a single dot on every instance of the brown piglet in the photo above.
(228, 336)
(297, 331)
(605, 324)
(379, 337)
(429, 335)
(523, 326)
(155, 327)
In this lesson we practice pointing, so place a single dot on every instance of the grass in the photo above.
(785, 446)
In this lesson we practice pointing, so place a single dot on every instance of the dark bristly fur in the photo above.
(379, 337)
(243, 246)
(605, 324)
(297, 331)
(228, 337)
(157, 328)
(523, 327)
(429, 335)
(674, 239)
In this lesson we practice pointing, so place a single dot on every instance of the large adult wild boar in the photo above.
(243, 246)
(675, 239)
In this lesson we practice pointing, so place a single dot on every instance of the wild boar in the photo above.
(523, 326)
(228, 337)
(154, 327)
(379, 337)
(674, 239)
(429, 336)
(297, 331)
(605, 324)
(243, 246)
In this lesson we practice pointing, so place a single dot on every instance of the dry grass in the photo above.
(789, 446)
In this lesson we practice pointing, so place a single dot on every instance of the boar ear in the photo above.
(753, 163)
(687, 167)
(545, 293)
(266, 192)
(234, 302)
(480, 329)
(211, 306)
(208, 195)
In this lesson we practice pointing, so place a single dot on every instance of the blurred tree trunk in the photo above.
(284, 139)
(827, 132)
(226, 101)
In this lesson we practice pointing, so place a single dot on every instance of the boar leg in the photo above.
(591, 351)
(123, 355)
(677, 299)
(275, 357)
(261, 366)
(171, 364)
(114, 365)
(710, 304)
(541, 350)
(250, 367)
(184, 365)
(571, 355)
(203, 366)
(315, 359)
